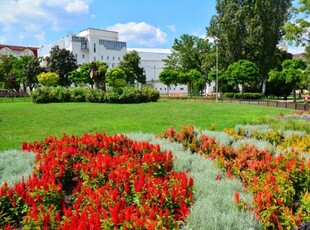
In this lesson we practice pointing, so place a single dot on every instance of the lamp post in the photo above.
(217, 71)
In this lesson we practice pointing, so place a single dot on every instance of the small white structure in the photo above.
(91, 45)
(152, 62)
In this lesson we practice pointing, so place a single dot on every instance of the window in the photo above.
(113, 58)
(181, 88)
(76, 56)
(94, 47)
(83, 56)
(94, 58)
(107, 57)
(119, 58)
(101, 57)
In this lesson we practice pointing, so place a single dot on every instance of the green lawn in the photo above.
(25, 121)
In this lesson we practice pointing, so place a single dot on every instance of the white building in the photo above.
(91, 45)
(103, 45)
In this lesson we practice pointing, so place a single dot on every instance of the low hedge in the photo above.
(243, 96)
(123, 95)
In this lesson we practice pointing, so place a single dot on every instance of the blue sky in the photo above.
(141, 23)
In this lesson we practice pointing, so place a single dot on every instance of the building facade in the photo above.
(18, 51)
(91, 45)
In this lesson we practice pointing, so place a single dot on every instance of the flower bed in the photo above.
(280, 183)
(97, 182)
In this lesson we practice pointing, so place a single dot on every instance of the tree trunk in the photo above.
(264, 87)
(294, 93)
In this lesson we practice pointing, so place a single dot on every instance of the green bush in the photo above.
(95, 95)
(248, 95)
(60, 94)
(130, 95)
(41, 95)
(243, 96)
(119, 95)
(150, 94)
(228, 95)
(111, 97)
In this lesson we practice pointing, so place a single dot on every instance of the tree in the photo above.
(221, 79)
(241, 73)
(189, 78)
(98, 72)
(31, 69)
(298, 30)
(6, 65)
(188, 53)
(294, 72)
(62, 62)
(250, 30)
(81, 75)
(278, 85)
(116, 77)
(168, 77)
(130, 65)
(48, 79)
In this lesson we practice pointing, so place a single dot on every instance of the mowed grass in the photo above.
(25, 121)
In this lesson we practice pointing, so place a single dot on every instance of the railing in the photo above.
(279, 104)
(14, 99)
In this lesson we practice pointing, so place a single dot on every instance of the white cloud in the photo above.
(21, 21)
(77, 6)
(140, 33)
(172, 28)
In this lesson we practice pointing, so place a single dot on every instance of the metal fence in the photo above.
(279, 104)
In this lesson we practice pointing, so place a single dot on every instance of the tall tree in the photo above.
(227, 27)
(62, 62)
(131, 66)
(190, 53)
(298, 31)
(249, 29)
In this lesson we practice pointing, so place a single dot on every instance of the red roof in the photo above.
(21, 48)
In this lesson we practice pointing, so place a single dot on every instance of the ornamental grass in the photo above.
(279, 183)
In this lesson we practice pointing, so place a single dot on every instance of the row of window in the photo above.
(112, 45)
(79, 39)
(102, 58)
(181, 89)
